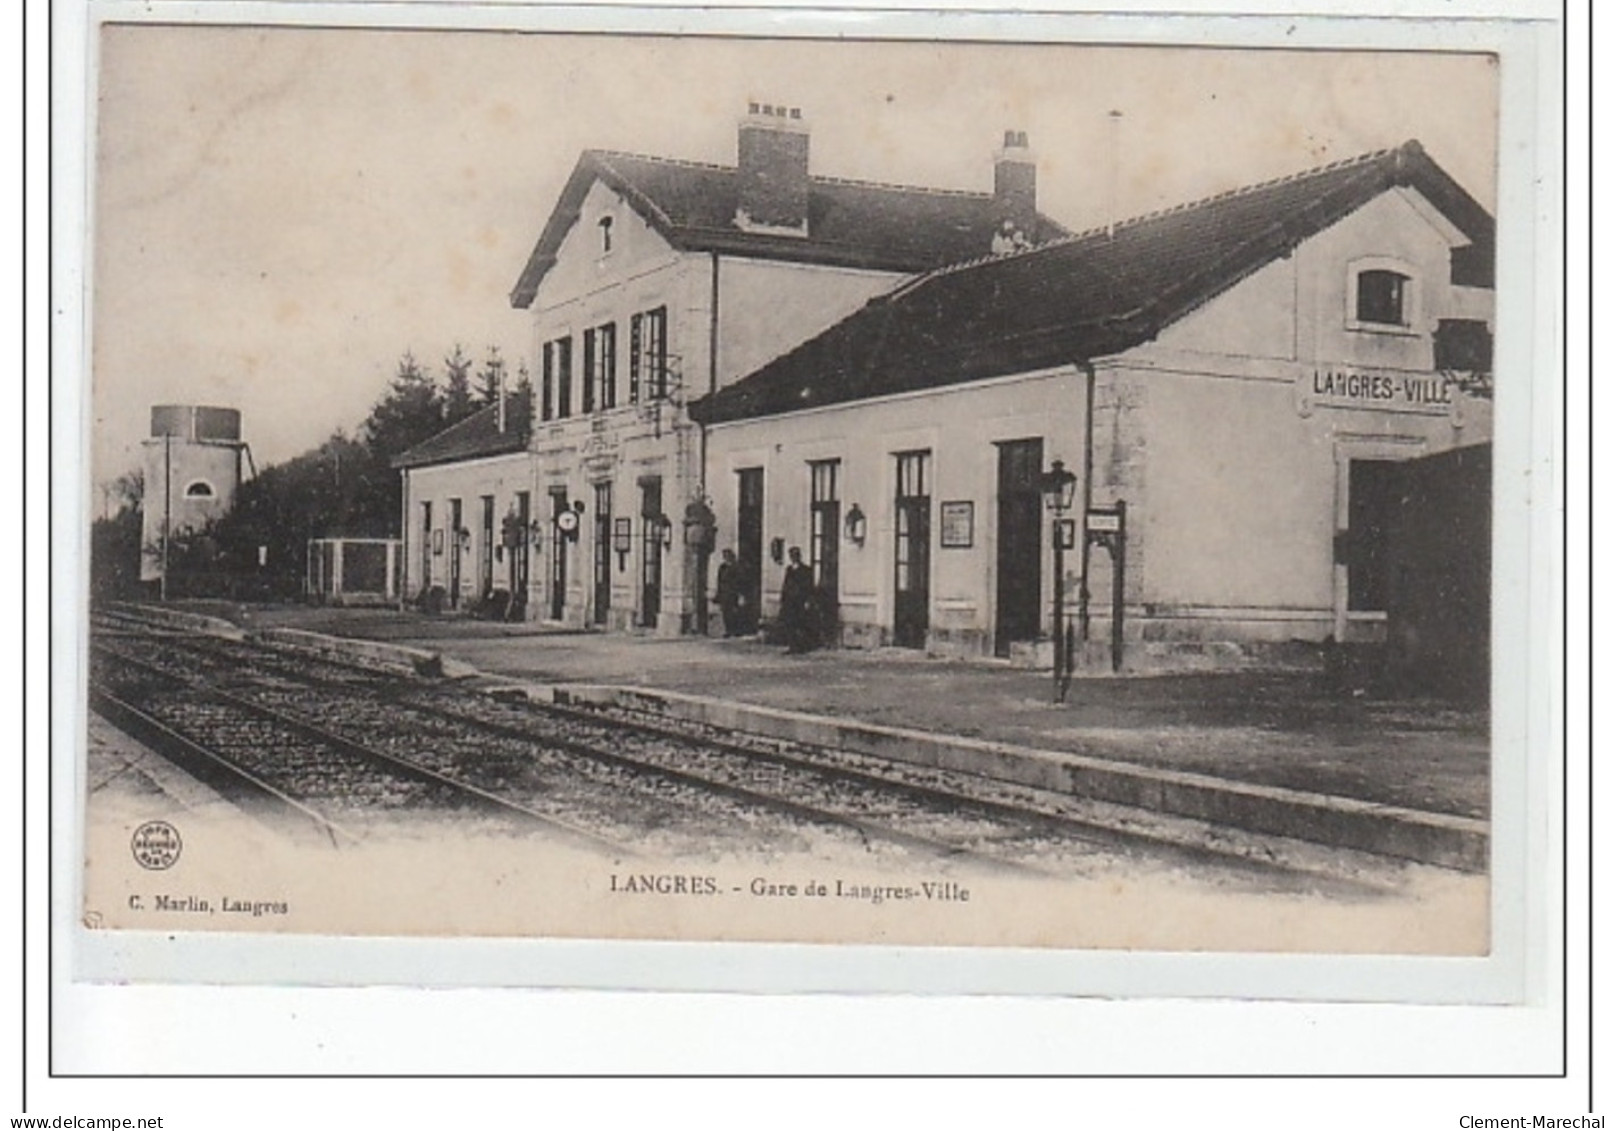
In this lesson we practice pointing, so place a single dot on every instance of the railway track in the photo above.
(277, 762)
(660, 786)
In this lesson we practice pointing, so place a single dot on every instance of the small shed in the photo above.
(353, 571)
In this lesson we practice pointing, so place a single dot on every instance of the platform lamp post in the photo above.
(1059, 486)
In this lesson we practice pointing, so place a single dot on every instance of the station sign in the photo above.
(1374, 390)
(1104, 521)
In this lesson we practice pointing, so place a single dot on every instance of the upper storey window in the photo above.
(555, 392)
(1381, 295)
(600, 367)
(647, 355)
(200, 489)
(605, 235)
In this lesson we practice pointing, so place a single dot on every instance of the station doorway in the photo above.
(1020, 543)
(749, 543)
(911, 612)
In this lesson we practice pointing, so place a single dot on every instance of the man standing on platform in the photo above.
(796, 604)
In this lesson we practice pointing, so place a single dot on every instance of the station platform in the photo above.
(1284, 729)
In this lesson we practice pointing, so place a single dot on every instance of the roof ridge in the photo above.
(817, 178)
(464, 422)
(1156, 214)
(682, 162)
(858, 182)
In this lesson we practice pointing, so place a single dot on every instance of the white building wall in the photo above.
(430, 554)
(1234, 464)
(960, 428)
(767, 308)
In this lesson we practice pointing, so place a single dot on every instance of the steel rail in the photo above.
(406, 767)
(804, 811)
(235, 782)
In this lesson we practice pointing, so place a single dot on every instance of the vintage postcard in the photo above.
(1029, 496)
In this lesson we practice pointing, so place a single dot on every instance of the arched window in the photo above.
(199, 489)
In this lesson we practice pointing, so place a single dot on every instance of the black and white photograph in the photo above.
(732, 489)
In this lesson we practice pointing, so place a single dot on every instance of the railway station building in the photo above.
(655, 281)
(468, 510)
(1233, 387)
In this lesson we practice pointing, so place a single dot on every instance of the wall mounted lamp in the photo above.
(857, 525)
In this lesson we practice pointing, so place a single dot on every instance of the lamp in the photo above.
(700, 526)
(622, 541)
(1059, 487)
(857, 525)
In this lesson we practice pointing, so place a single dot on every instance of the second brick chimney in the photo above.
(773, 183)
(1015, 189)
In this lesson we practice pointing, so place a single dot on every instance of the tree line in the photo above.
(344, 487)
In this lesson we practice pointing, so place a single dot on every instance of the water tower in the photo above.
(193, 470)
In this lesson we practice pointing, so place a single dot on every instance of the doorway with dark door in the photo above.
(749, 546)
(1020, 543)
(520, 553)
(1371, 502)
(602, 553)
(653, 523)
(456, 547)
(824, 548)
(911, 607)
(426, 550)
(558, 544)
(485, 551)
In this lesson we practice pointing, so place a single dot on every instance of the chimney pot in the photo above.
(772, 182)
(1015, 187)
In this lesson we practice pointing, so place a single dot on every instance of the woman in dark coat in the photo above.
(728, 594)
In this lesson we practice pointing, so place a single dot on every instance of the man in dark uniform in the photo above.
(796, 604)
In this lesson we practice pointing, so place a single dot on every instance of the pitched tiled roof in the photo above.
(475, 436)
(1087, 296)
(850, 223)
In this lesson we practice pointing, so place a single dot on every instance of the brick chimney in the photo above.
(1014, 192)
(773, 183)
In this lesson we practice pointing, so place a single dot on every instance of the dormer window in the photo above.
(1381, 295)
(605, 235)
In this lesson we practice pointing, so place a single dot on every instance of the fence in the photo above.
(353, 571)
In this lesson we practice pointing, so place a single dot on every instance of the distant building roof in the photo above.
(1087, 296)
(476, 436)
(850, 223)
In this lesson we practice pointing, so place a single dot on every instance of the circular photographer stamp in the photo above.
(155, 845)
